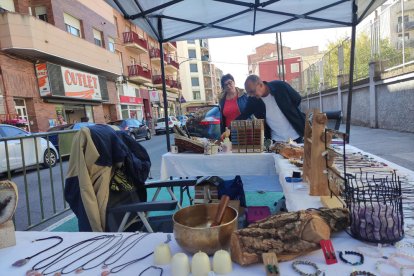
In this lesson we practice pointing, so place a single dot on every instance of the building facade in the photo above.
(197, 74)
(57, 61)
(264, 63)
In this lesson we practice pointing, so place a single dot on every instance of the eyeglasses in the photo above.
(227, 83)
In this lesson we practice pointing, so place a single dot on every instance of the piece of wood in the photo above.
(332, 202)
(7, 234)
(288, 235)
(271, 264)
(307, 148)
(318, 181)
(224, 201)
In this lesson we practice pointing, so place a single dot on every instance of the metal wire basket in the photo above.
(375, 206)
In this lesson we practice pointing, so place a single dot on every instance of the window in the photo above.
(111, 44)
(195, 82)
(193, 67)
(12, 131)
(192, 54)
(191, 41)
(97, 37)
(41, 13)
(116, 26)
(73, 25)
(294, 68)
(137, 93)
(7, 5)
(196, 95)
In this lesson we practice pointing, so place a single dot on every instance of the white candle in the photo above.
(180, 266)
(200, 264)
(222, 262)
(162, 254)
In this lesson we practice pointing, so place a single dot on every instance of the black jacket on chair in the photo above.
(288, 101)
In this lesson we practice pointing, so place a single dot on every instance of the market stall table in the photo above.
(25, 248)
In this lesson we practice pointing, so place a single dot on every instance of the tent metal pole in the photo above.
(351, 71)
(164, 87)
(283, 59)
(278, 56)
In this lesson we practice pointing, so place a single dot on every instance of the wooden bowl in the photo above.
(193, 232)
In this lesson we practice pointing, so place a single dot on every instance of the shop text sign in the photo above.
(78, 84)
(130, 100)
(43, 79)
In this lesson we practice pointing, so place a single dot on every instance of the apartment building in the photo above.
(57, 58)
(197, 74)
(140, 86)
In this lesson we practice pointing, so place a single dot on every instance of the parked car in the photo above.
(135, 128)
(183, 119)
(160, 125)
(205, 123)
(63, 142)
(48, 158)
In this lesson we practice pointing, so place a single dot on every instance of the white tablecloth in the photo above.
(190, 165)
(26, 248)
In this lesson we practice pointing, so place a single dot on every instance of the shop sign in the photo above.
(43, 79)
(130, 100)
(78, 84)
(154, 96)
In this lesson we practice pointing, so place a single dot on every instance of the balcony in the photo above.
(171, 65)
(170, 83)
(170, 46)
(135, 42)
(205, 58)
(155, 55)
(139, 74)
(175, 86)
(33, 38)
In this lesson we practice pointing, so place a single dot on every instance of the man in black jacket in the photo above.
(278, 103)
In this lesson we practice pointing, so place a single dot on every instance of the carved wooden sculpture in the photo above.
(8, 204)
(289, 235)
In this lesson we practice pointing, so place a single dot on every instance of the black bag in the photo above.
(234, 189)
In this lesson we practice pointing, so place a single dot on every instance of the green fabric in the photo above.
(252, 199)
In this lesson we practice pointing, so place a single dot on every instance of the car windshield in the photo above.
(9, 131)
(160, 120)
(214, 112)
(133, 123)
(81, 125)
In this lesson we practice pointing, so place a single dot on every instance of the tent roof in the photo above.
(198, 19)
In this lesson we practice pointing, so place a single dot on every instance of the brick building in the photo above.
(57, 58)
(264, 63)
(139, 55)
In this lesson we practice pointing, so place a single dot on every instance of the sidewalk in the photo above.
(397, 147)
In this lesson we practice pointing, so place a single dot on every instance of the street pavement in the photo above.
(51, 182)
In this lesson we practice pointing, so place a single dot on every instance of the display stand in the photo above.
(314, 164)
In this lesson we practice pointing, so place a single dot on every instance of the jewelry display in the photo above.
(382, 273)
(360, 262)
(362, 273)
(308, 263)
(24, 261)
(153, 267)
(395, 263)
(64, 253)
(328, 252)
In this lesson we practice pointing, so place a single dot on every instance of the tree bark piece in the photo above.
(289, 235)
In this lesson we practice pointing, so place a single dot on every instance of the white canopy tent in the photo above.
(175, 20)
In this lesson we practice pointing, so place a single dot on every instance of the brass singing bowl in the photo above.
(193, 232)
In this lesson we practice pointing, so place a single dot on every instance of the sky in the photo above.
(230, 54)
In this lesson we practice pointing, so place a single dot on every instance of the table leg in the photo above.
(154, 198)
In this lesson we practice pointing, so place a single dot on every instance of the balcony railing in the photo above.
(171, 61)
(155, 53)
(137, 70)
(133, 37)
(169, 81)
(176, 84)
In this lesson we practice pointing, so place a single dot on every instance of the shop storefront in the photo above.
(131, 107)
(71, 95)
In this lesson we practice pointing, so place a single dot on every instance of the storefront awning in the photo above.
(197, 19)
